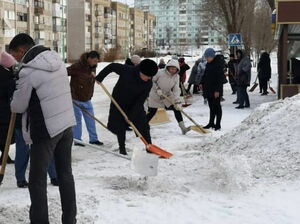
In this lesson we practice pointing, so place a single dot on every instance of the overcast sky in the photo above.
(129, 2)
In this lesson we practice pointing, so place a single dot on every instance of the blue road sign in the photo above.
(234, 39)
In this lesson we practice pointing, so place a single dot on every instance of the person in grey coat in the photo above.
(166, 82)
(193, 79)
(243, 75)
(43, 97)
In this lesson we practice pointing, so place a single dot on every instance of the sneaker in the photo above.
(22, 184)
(79, 144)
(54, 182)
(97, 143)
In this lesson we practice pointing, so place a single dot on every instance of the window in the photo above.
(22, 16)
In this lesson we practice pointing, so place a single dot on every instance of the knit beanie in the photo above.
(209, 53)
(135, 59)
(148, 67)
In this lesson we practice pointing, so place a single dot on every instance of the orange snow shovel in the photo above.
(271, 88)
(198, 128)
(7, 144)
(151, 148)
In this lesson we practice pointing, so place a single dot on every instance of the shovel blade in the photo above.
(144, 163)
(199, 129)
(159, 151)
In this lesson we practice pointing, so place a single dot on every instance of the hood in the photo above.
(42, 58)
(173, 63)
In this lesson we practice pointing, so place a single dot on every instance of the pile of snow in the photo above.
(267, 142)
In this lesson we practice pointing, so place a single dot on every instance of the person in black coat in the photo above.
(7, 86)
(130, 92)
(264, 72)
(231, 73)
(212, 83)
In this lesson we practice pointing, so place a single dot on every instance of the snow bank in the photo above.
(267, 141)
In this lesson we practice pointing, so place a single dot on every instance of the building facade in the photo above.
(179, 23)
(137, 28)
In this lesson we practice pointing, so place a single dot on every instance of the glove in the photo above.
(178, 106)
(159, 92)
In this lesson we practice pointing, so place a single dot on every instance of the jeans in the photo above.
(22, 158)
(243, 97)
(41, 153)
(90, 122)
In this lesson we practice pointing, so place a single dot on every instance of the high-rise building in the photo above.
(149, 30)
(136, 29)
(122, 26)
(179, 23)
(59, 15)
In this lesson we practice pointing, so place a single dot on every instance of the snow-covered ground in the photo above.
(246, 173)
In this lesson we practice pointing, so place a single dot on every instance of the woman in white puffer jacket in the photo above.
(166, 82)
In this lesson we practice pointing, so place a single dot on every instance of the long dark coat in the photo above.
(130, 92)
(213, 78)
(7, 86)
(264, 67)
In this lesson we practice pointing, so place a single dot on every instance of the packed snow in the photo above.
(246, 173)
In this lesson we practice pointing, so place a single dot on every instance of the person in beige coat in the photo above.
(166, 82)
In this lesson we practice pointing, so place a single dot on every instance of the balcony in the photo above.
(57, 28)
(38, 7)
(98, 24)
(39, 26)
(99, 13)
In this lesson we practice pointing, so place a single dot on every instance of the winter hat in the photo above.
(181, 60)
(148, 67)
(135, 59)
(209, 53)
(6, 60)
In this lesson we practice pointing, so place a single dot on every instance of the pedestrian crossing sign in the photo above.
(234, 39)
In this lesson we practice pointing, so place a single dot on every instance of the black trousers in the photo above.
(243, 97)
(152, 112)
(263, 83)
(215, 111)
(142, 126)
(41, 155)
(195, 88)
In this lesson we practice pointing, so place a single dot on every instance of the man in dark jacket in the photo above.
(7, 86)
(82, 88)
(212, 83)
(243, 74)
(131, 91)
(264, 72)
(43, 97)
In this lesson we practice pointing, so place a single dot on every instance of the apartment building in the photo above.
(137, 28)
(122, 26)
(16, 17)
(59, 18)
(179, 23)
(149, 31)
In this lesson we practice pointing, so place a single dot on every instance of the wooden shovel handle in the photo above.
(7, 144)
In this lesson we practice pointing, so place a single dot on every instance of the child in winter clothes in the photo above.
(166, 82)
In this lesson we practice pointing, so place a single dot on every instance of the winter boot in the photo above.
(184, 129)
(122, 151)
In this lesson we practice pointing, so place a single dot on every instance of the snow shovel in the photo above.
(151, 148)
(7, 144)
(186, 96)
(198, 128)
(255, 84)
(271, 89)
(161, 117)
